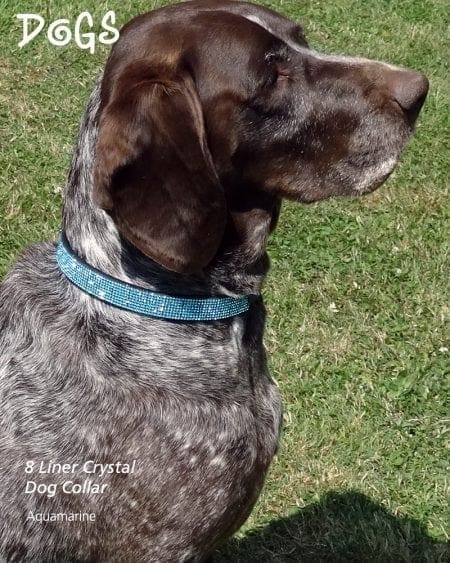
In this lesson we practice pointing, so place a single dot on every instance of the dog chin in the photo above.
(374, 176)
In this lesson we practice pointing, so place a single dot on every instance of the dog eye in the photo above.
(279, 64)
(276, 57)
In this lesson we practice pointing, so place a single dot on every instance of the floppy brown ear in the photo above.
(154, 172)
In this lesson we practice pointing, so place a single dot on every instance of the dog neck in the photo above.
(94, 237)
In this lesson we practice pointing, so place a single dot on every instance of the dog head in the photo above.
(213, 110)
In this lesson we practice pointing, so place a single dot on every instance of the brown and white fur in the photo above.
(208, 113)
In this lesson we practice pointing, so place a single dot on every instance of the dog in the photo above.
(138, 416)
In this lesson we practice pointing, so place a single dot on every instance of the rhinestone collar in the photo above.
(143, 301)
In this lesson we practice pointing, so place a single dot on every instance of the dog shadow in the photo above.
(340, 527)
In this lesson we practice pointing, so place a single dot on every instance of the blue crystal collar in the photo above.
(143, 301)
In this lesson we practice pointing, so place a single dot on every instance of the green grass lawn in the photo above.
(358, 296)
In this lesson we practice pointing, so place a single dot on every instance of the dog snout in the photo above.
(409, 89)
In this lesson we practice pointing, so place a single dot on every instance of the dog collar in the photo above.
(143, 301)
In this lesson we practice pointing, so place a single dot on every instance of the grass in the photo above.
(358, 295)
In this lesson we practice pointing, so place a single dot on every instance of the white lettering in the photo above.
(27, 37)
(41, 489)
(59, 33)
(90, 44)
(103, 37)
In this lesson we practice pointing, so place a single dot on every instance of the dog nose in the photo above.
(409, 89)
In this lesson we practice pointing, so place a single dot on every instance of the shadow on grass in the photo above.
(341, 527)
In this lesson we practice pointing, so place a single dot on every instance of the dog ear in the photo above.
(154, 172)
